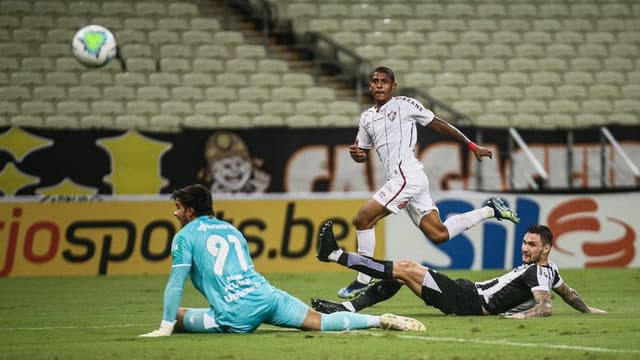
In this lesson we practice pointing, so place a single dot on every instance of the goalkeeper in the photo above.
(521, 293)
(216, 257)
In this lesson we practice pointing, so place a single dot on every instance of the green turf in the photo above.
(100, 318)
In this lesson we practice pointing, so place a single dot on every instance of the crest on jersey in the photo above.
(392, 115)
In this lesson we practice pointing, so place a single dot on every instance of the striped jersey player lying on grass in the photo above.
(521, 293)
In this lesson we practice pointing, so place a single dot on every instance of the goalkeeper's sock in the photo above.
(344, 320)
(459, 223)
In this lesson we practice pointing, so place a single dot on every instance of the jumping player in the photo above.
(389, 127)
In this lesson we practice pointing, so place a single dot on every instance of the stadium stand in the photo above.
(579, 54)
(182, 68)
(501, 63)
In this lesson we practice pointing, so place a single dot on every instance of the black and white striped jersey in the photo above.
(516, 287)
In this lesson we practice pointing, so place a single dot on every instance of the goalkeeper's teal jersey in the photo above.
(221, 266)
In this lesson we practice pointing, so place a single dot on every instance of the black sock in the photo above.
(381, 269)
(380, 291)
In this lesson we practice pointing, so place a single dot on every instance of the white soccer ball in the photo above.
(94, 46)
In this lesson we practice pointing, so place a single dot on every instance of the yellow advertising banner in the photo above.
(134, 237)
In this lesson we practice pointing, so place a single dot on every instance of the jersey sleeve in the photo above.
(180, 251)
(180, 267)
(414, 109)
(363, 138)
(539, 278)
(557, 279)
(173, 292)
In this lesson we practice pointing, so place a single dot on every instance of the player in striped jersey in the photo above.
(216, 257)
(533, 280)
(389, 128)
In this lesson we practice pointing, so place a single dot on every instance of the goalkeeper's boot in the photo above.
(402, 323)
(326, 242)
(501, 210)
(352, 290)
(327, 306)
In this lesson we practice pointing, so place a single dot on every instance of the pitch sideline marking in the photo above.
(410, 337)
(519, 344)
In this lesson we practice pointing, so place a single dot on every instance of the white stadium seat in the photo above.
(84, 92)
(151, 8)
(281, 108)
(72, 107)
(176, 107)
(48, 92)
(131, 121)
(187, 93)
(107, 107)
(182, 9)
(288, 93)
(257, 94)
(118, 92)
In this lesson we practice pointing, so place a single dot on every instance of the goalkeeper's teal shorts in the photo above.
(267, 305)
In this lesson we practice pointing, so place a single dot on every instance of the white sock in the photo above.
(373, 321)
(335, 255)
(366, 246)
(349, 306)
(456, 224)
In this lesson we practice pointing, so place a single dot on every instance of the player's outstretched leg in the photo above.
(326, 246)
(501, 210)
(402, 323)
(328, 250)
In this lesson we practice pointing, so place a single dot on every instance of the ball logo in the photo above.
(93, 42)
(94, 46)
(579, 215)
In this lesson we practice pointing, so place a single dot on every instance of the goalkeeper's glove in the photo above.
(166, 328)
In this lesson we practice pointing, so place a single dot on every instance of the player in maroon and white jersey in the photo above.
(530, 283)
(389, 129)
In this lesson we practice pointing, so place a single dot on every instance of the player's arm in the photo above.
(358, 154)
(541, 308)
(571, 297)
(446, 128)
(172, 297)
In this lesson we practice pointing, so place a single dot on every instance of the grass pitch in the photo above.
(101, 318)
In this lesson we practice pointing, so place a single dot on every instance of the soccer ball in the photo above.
(94, 46)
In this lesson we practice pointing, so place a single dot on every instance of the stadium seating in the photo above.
(181, 66)
(542, 51)
(570, 63)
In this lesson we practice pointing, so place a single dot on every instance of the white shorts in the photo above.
(408, 190)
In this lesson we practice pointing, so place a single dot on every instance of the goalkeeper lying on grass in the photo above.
(529, 283)
(216, 256)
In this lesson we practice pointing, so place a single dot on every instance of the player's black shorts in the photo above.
(458, 297)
